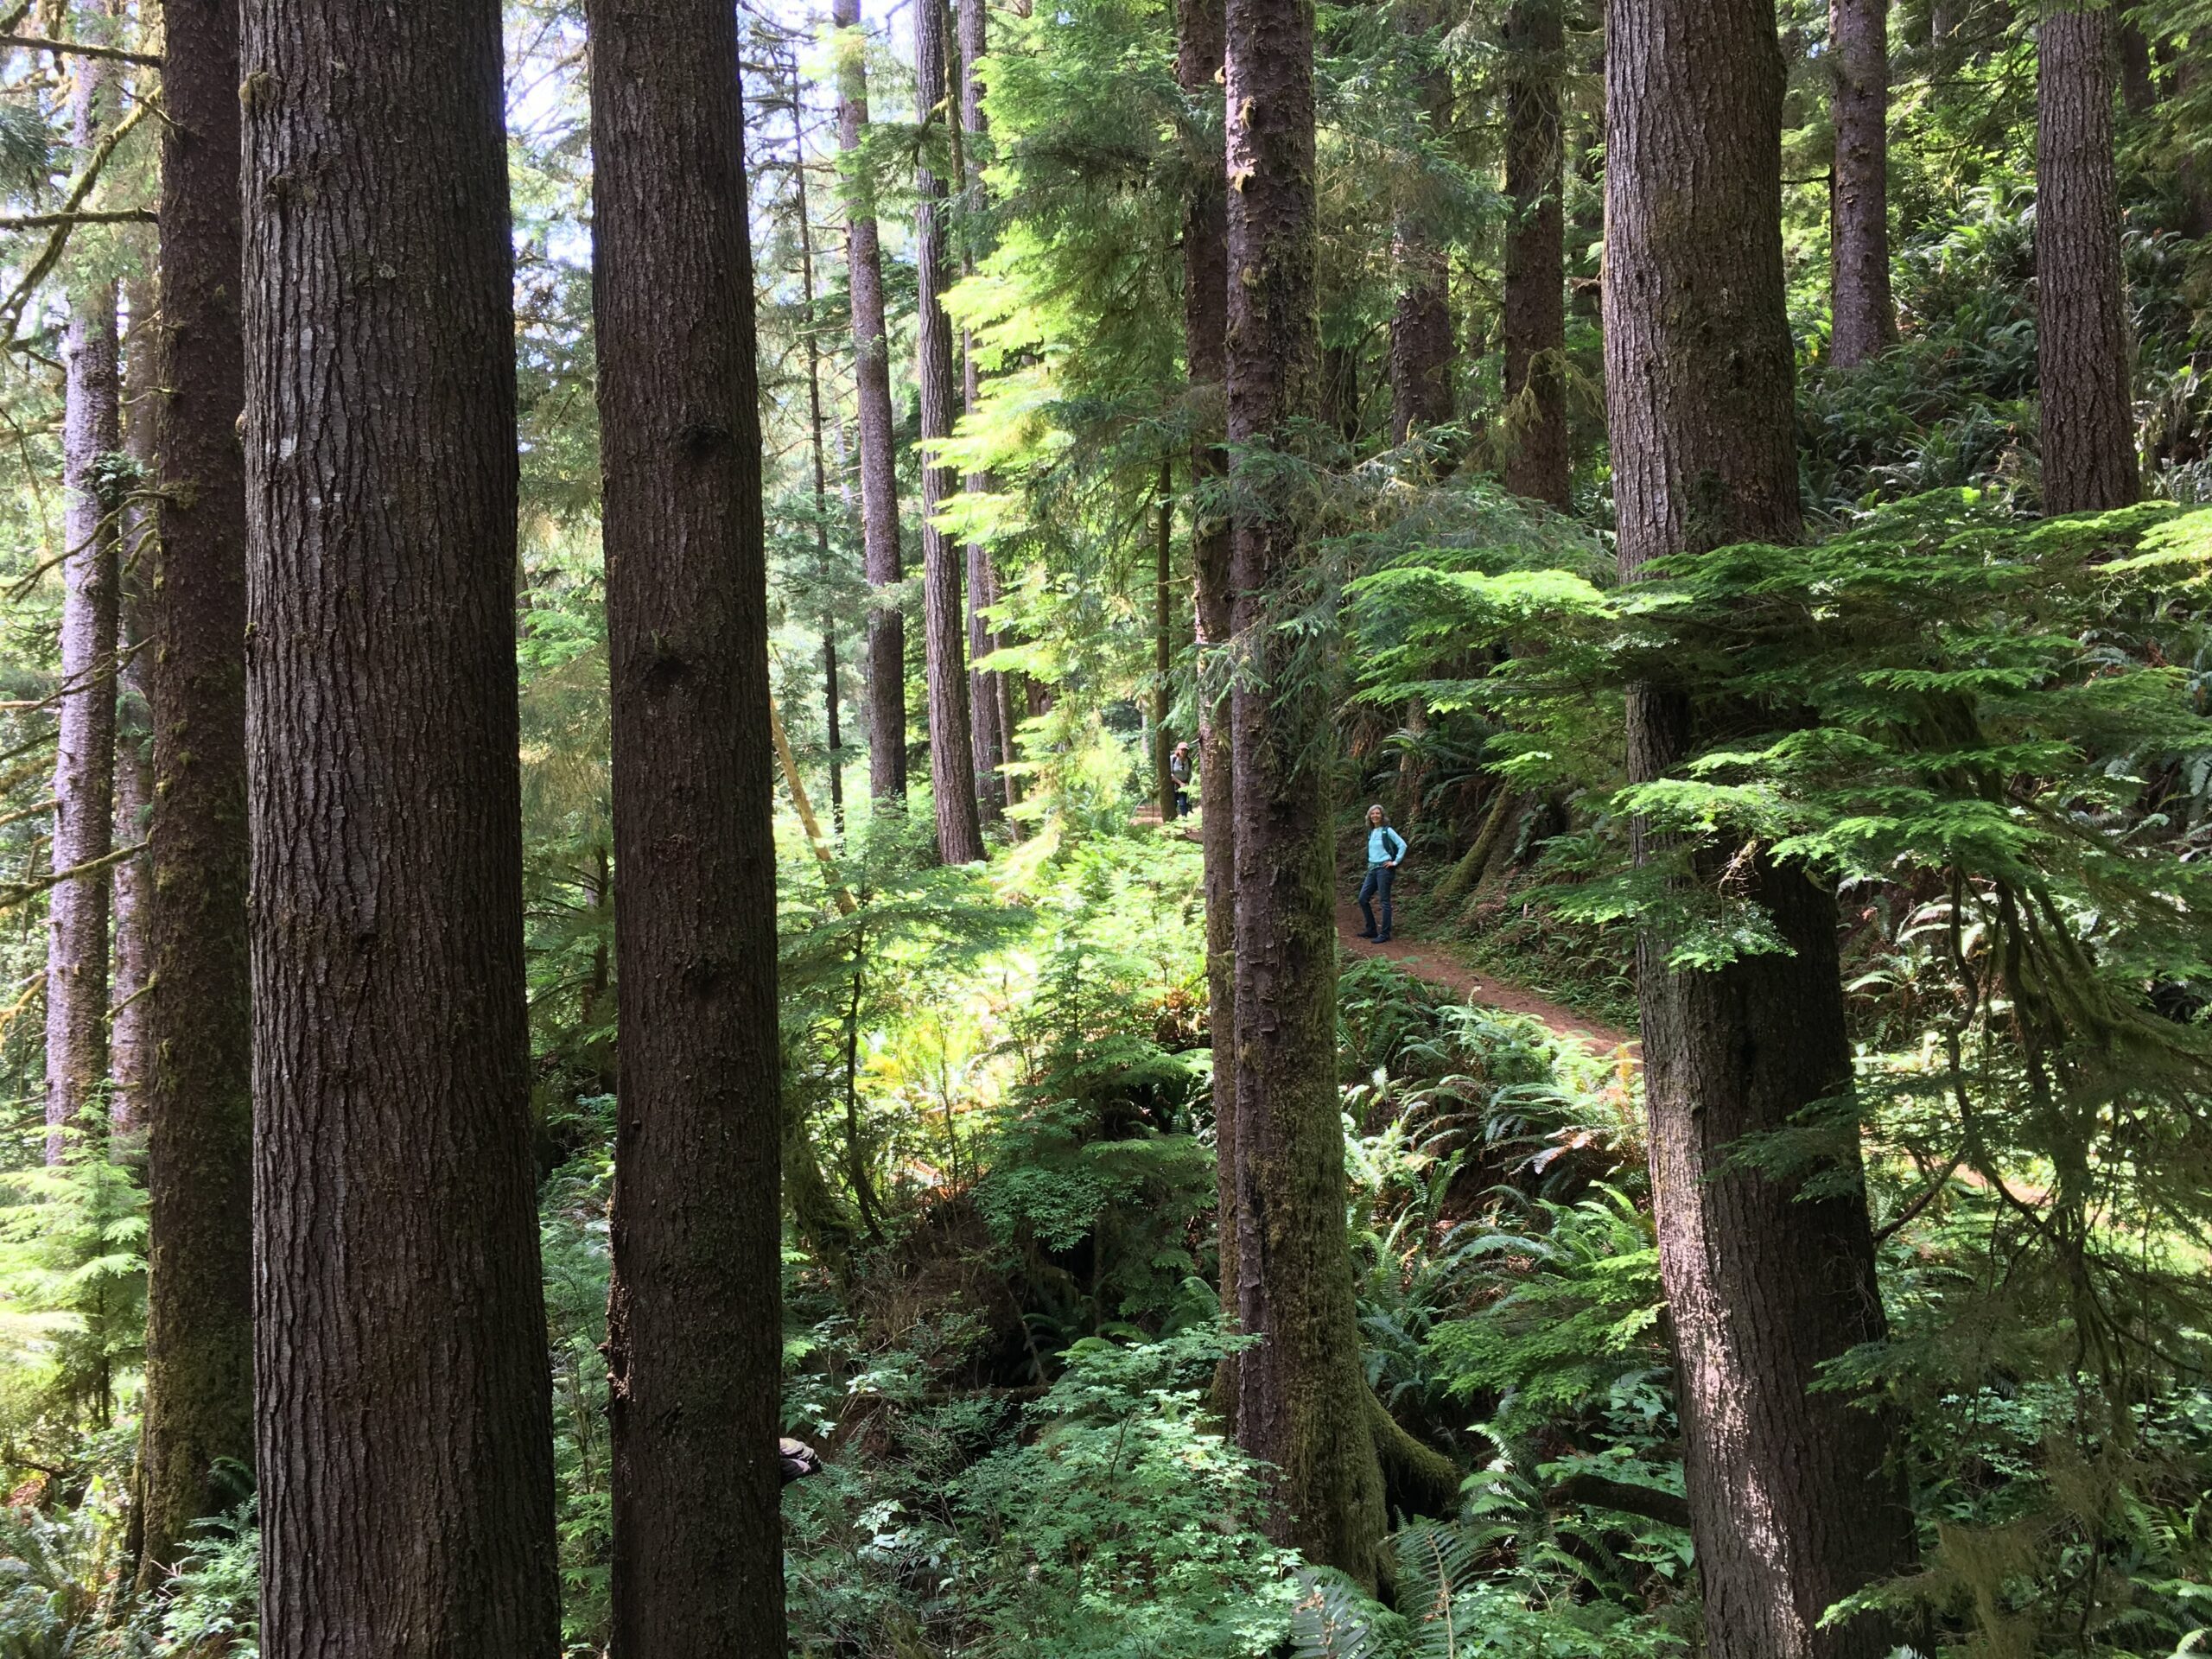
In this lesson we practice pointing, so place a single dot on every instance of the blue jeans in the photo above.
(1378, 886)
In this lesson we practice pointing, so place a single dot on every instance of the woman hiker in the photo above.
(1385, 847)
(1179, 774)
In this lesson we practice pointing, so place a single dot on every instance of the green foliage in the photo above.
(1126, 1527)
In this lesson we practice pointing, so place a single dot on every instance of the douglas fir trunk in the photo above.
(1302, 1396)
(959, 827)
(2081, 326)
(886, 626)
(1536, 462)
(405, 1410)
(694, 1318)
(1793, 1503)
(1858, 203)
(1199, 49)
(198, 1412)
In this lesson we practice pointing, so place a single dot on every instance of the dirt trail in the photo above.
(1431, 962)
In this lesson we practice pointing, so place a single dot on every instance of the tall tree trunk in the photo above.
(83, 769)
(200, 1406)
(1199, 27)
(1866, 317)
(1302, 1394)
(1163, 641)
(829, 697)
(1421, 340)
(405, 1416)
(694, 1315)
(986, 731)
(1793, 1505)
(887, 625)
(952, 775)
(1536, 461)
(2081, 326)
(129, 1057)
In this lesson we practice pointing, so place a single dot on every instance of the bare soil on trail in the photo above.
(1438, 967)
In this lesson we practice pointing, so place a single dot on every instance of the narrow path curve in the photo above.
(1432, 963)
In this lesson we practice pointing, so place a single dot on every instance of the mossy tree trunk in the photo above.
(1198, 57)
(1302, 1396)
(199, 1429)
(694, 1315)
(1793, 1502)
(405, 1411)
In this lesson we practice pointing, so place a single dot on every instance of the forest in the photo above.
(1106, 830)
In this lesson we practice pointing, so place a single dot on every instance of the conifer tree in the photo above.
(84, 768)
(199, 1434)
(405, 1432)
(1865, 319)
(952, 776)
(1536, 461)
(1793, 1505)
(1302, 1396)
(694, 1318)
(886, 626)
(2082, 324)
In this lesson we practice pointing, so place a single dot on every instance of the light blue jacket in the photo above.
(1380, 840)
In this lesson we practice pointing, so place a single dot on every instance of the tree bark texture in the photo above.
(84, 768)
(986, 730)
(887, 625)
(952, 776)
(128, 1054)
(405, 1433)
(1536, 461)
(1793, 1502)
(2082, 324)
(200, 1292)
(1200, 26)
(694, 1317)
(1866, 316)
(1302, 1393)
(1422, 345)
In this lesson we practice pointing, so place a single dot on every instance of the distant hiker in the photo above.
(1385, 847)
(1178, 773)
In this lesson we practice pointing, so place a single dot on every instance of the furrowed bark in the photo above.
(1163, 643)
(199, 1437)
(1302, 1398)
(1866, 317)
(1536, 461)
(1198, 53)
(406, 1436)
(1793, 1502)
(887, 625)
(693, 1314)
(2082, 324)
(84, 768)
(952, 776)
